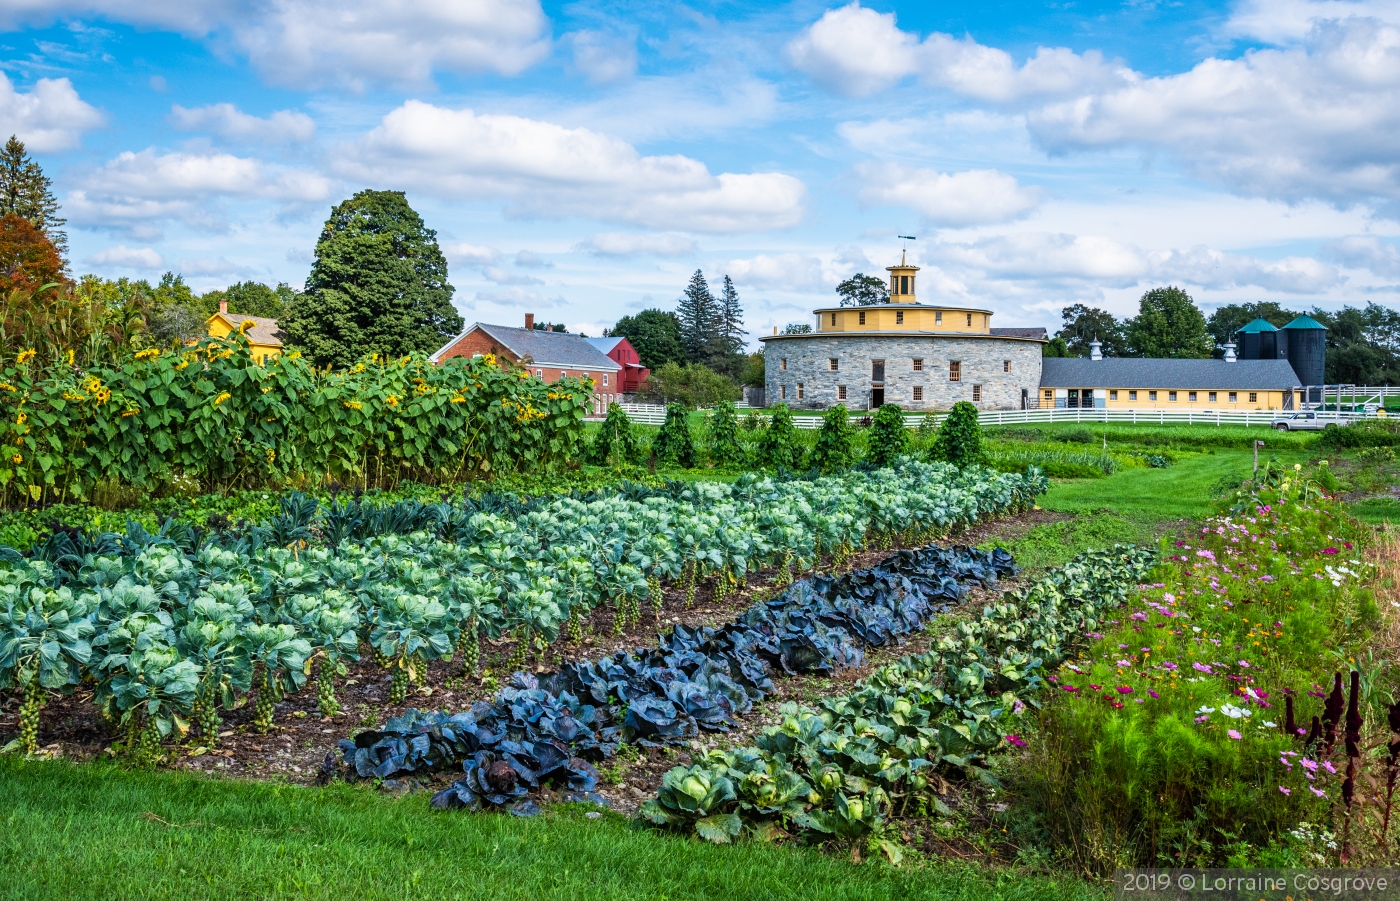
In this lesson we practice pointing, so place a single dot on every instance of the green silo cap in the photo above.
(1306, 322)
(1258, 325)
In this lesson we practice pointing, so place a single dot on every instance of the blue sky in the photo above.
(580, 160)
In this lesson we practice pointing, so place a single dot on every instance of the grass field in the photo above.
(99, 832)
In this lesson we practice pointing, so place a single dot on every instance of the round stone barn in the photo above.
(920, 356)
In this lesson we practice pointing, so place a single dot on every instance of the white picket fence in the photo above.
(655, 414)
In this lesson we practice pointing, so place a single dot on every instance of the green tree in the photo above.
(655, 335)
(731, 319)
(754, 371)
(616, 442)
(378, 285)
(959, 438)
(551, 327)
(835, 448)
(250, 299)
(1363, 345)
(778, 444)
(693, 385)
(1055, 347)
(674, 444)
(1225, 321)
(1169, 325)
(797, 328)
(888, 438)
(27, 192)
(1085, 324)
(725, 450)
(700, 319)
(861, 290)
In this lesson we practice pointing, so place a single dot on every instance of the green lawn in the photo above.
(100, 832)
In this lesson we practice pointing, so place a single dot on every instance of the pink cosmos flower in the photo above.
(1154, 694)
(1016, 741)
(1285, 790)
(1235, 735)
(1124, 689)
(1317, 791)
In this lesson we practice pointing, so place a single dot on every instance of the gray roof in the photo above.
(1134, 372)
(541, 347)
(1021, 333)
(604, 345)
(262, 330)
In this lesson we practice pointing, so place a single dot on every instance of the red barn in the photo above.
(633, 375)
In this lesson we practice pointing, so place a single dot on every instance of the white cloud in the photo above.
(228, 121)
(782, 272)
(125, 257)
(1285, 21)
(135, 192)
(547, 171)
(602, 57)
(471, 254)
(626, 244)
(857, 51)
(506, 277)
(531, 260)
(517, 297)
(1364, 252)
(356, 43)
(204, 266)
(1060, 259)
(1315, 121)
(976, 197)
(51, 116)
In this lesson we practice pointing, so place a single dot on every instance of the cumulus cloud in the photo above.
(1060, 259)
(51, 116)
(506, 277)
(856, 51)
(548, 171)
(976, 197)
(136, 192)
(517, 297)
(531, 260)
(1308, 122)
(356, 43)
(1285, 21)
(1364, 252)
(627, 244)
(471, 254)
(125, 257)
(228, 121)
(781, 272)
(207, 266)
(603, 57)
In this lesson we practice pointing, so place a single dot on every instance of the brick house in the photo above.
(633, 375)
(546, 354)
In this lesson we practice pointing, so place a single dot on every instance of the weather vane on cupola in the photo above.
(902, 276)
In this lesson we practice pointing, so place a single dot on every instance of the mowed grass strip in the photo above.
(98, 831)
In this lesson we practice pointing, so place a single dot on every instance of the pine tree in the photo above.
(700, 318)
(25, 192)
(731, 319)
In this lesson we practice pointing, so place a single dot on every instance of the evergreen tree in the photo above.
(1169, 325)
(888, 438)
(25, 191)
(725, 450)
(699, 315)
(731, 319)
(674, 444)
(835, 449)
(379, 285)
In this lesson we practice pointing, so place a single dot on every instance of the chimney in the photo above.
(1229, 351)
(1096, 349)
(529, 320)
(223, 306)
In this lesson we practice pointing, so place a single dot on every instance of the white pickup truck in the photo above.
(1307, 419)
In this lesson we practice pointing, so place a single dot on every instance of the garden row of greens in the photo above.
(213, 417)
(173, 627)
(843, 769)
(1181, 736)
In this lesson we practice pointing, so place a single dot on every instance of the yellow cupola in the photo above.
(902, 281)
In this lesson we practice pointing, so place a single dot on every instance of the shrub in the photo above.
(692, 384)
(888, 438)
(778, 445)
(673, 443)
(834, 450)
(1370, 433)
(959, 439)
(725, 449)
(616, 442)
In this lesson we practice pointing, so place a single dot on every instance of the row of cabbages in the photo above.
(841, 770)
(172, 628)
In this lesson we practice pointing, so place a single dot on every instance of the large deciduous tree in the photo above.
(1169, 325)
(1229, 319)
(655, 335)
(25, 191)
(1083, 325)
(861, 290)
(28, 260)
(378, 285)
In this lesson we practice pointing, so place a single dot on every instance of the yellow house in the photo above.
(263, 333)
(1198, 385)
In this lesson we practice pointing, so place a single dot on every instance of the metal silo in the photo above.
(1257, 340)
(1307, 350)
